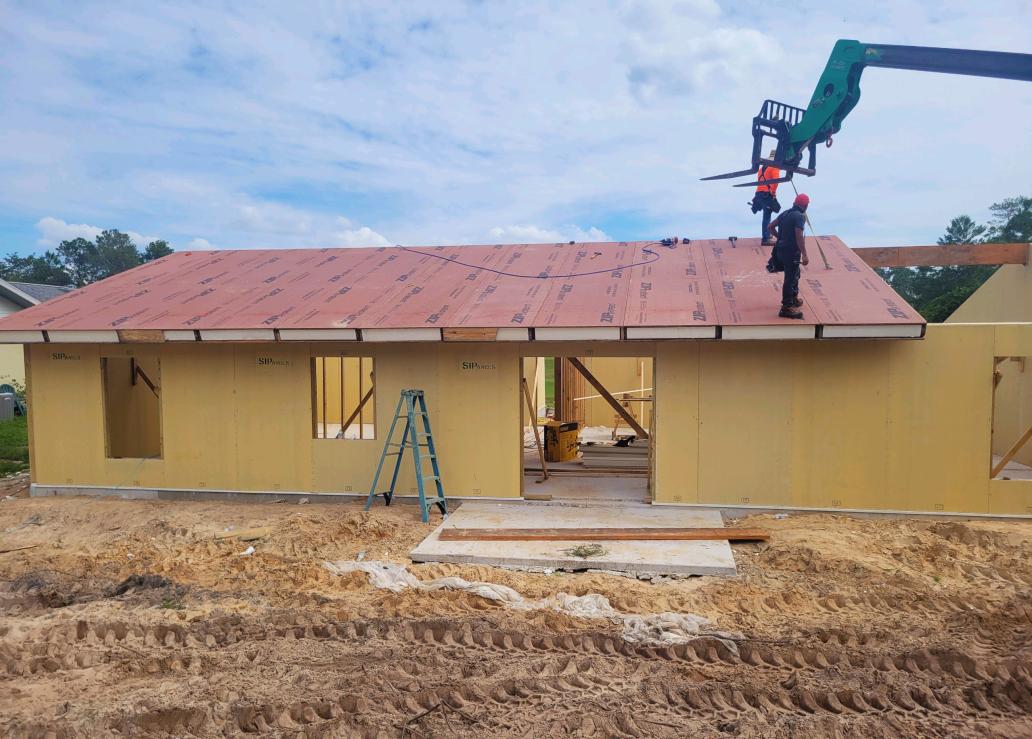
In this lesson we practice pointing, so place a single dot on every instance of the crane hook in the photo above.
(828, 142)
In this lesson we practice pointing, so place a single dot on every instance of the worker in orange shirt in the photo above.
(766, 199)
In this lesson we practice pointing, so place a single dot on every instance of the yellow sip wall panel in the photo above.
(676, 443)
(67, 415)
(199, 416)
(473, 397)
(876, 425)
(1004, 297)
(1010, 497)
(240, 418)
(879, 425)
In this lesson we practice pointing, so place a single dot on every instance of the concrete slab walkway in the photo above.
(633, 557)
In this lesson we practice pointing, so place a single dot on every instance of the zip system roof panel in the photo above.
(645, 290)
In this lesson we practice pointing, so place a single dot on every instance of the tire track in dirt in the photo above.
(591, 665)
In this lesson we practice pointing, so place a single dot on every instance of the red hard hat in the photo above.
(802, 200)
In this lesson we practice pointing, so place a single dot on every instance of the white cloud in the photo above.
(347, 235)
(52, 231)
(684, 48)
(442, 122)
(199, 244)
(529, 234)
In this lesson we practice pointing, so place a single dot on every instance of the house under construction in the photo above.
(278, 371)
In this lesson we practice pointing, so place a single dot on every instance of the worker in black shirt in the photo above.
(790, 250)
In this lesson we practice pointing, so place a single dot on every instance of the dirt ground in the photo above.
(131, 619)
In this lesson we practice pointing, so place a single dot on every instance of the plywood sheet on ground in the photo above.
(618, 285)
(635, 557)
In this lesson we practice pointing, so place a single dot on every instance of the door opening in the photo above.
(594, 419)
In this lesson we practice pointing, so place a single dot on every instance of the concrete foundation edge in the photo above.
(574, 564)
(740, 510)
(37, 490)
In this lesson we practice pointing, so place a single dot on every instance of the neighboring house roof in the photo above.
(16, 295)
(40, 291)
(704, 289)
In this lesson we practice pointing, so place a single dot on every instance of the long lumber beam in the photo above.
(605, 534)
(620, 410)
(944, 256)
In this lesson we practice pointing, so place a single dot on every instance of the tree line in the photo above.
(78, 262)
(935, 292)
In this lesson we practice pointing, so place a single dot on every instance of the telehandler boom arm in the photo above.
(799, 130)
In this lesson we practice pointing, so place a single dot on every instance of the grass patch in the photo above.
(14, 445)
(550, 382)
(583, 551)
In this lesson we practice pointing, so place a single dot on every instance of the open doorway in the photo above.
(587, 428)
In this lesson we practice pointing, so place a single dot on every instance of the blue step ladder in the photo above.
(411, 404)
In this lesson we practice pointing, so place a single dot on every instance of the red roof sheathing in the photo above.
(631, 284)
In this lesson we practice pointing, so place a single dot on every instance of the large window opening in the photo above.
(132, 406)
(343, 398)
(592, 419)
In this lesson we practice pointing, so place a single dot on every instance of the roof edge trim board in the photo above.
(21, 337)
(873, 331)
(238, 334)
(401, 334)
(82, 337)
(572, 333)
(745, 333)
(513, 334)
(671, 332)
(180, 335)
(318, 334)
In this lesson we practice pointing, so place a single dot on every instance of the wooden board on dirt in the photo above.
(605, 534)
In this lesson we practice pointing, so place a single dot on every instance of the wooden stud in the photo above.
(623, 413)
(357, 411)
(537, 434)
(342, 391)
(1011, 453)
(943, 256)
(605, 534)
(313, 383)
(322, 360)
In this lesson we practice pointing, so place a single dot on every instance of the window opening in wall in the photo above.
(1012, 419)
(343, 398)
(132, 406)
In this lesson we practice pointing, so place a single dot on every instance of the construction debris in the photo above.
(656, 628)
(245, 534)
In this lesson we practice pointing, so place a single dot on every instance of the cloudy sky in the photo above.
(352, 123)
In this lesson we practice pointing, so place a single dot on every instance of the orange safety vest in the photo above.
(769, 173)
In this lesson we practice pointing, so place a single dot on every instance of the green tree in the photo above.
(1011, 221)
(116, 253)
(938, 291)
(963, 230)
(85, 261)
(156, 250)
(80, 260)
(46, 269)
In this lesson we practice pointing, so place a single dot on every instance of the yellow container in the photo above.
(561, 441)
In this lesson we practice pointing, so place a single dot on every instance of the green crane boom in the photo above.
(798, 131)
